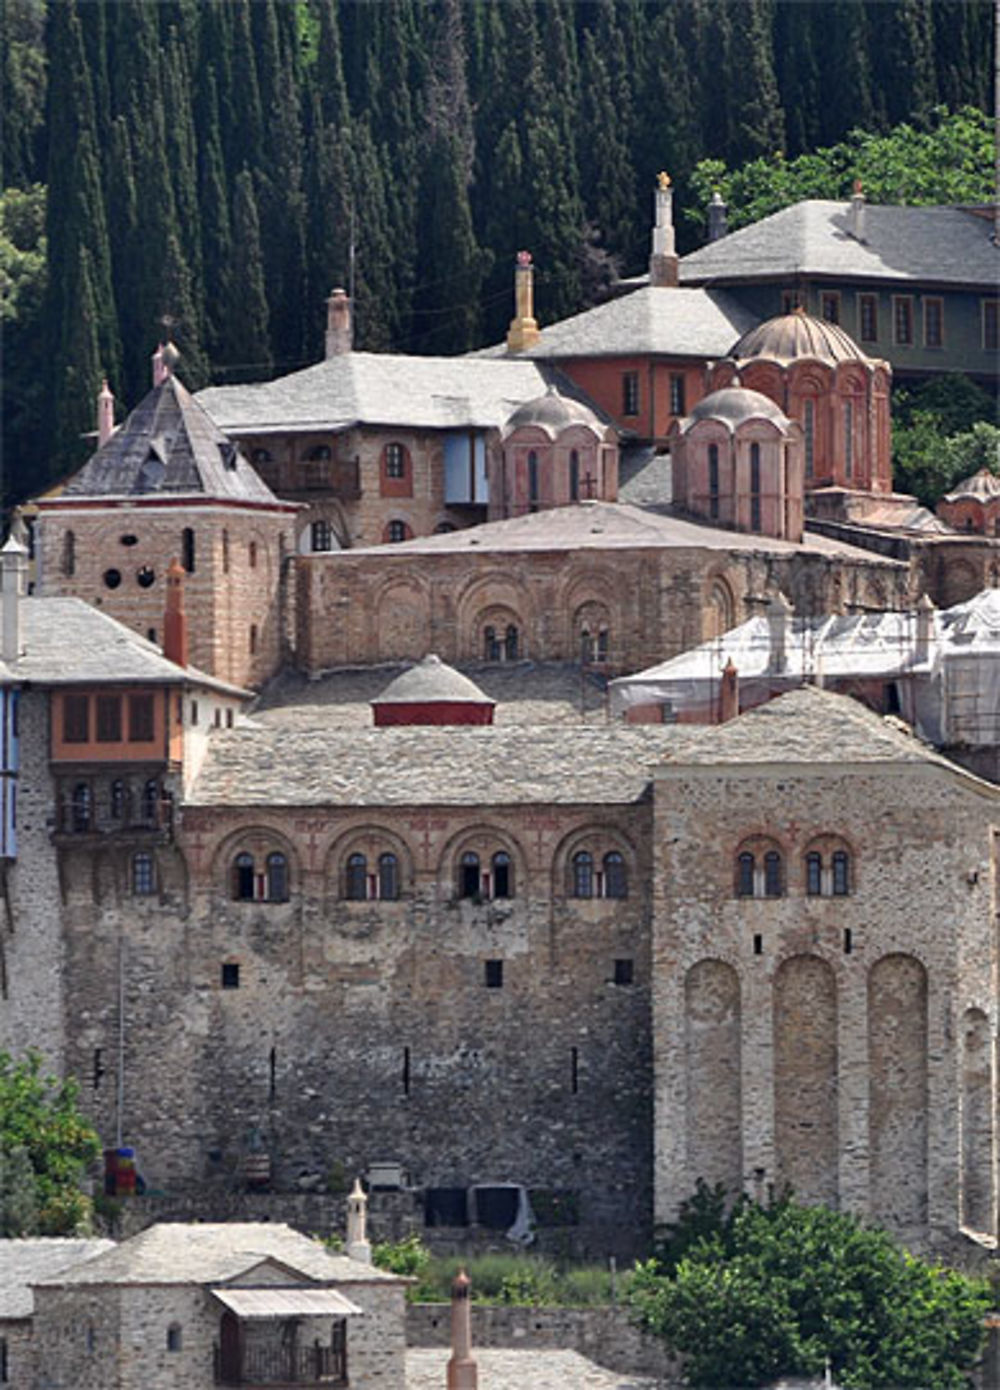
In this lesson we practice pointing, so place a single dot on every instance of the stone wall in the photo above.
(16, 1337)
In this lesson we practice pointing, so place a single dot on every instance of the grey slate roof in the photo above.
(65, 641)
(431, 680)
(208, 1253)
(379, 389)
(25, 1262)
(941, 245)
(169, 446)
(598, 526)
(652, 320)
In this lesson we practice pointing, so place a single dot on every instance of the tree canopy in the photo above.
(772, 1291)
(943, 431)
(45, 1149)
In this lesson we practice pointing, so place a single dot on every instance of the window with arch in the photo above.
(533, 481)
(574, 476)
(503, 875)
(225, 552)
(361, 886)
(143, 875)
(848, 439)
(151, 801)
(388, 877)
(82, 813)
(244, 879)
(582, 874)
(321, 535)
(276, 878)
(319, 453)
(827, 870)
(759, 871)
(755, 486)
(252, 554)
(253, 639)
(593, 878)
(809, 425)
(397, 531)
(510, 643)
(615, 875)
(264, 879)
(468, 875)
(501, 644)
(356, 878)
(187, 549)
(713, 482)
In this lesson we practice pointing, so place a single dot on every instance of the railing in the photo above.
(270, 1363)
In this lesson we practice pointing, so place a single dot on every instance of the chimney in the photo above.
(175, 633)
(925, 629)
(729, 693)
(523, 331)
(463, 1373)
(778, 612)
(663, 261)
(105, 414)
(357, 1246)
(718, 221)
(13, 567)
(857, 214)
(339, 324)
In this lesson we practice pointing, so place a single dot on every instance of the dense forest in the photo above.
(210, 164)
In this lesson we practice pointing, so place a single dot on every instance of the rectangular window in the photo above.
(676, 394)
(624, 972)
(848, 439)
(809, 411)
(991, 325)
(76, 718)
(868, 318)
(230, 975)
(630, 393)
(830, 306)
(902, 320)
(494, 974)
(140, 719)
(933, 323)
(109, 719)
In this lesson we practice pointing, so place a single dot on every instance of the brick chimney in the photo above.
(175, 633)
(105, 414)
(729, 693)
(463, 1373)
(718, 218)
(523, 331)
(339, 324)
(857, 214)
(13, 568)
(663, 260)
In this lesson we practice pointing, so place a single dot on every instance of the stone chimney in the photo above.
(857, 214)
(663, 261)
(339, 324)
(175, 633)
(463, 1373)
(778, 613)
(718, 217)
(357, 1246)
(105, 414)
(925, 629)
(13, 567)
(523, 331)
(729, 693)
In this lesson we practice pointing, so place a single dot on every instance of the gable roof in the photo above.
(371, 388)
(26, 1261)
(651, 321)
(940, 245)
(168, 446)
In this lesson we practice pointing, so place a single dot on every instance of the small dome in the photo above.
(734, 404)
(431, 681)
(553, 413)
(983, 486)
(791, 336)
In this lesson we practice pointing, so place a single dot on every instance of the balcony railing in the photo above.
(270, 1363)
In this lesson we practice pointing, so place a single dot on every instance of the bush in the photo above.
(409, 1256)
(507, 1278)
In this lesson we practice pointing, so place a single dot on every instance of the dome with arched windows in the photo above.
(553, 412)
(735, 404)
(789, 337)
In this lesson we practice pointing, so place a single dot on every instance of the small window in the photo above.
(276, 878)
(830, 307)
(321, 535)
(583, 875)
(128, 540)
(175, 1337)
(230, 975)
(187, 549)
(117, 800)
(713, 482)
(491, 646)
(755, 516)
(151, 801)
(991, 324)
(630, 393)
(809, 415)
(848, 439)
(82, 805)
(194, 711)
(109, 719)
(773, 885)
(388, 877)
(142, 875)
(395, 461)
(510, 643)
(319, 453)
(229, 719)
(933, 323)
(243, 878)
(745, 866)
(533, 480)
(112, 578)
(624, 972)
(69, 554)
(494, 974)
(615, 878)
(225, 552)
(503, 875)
(145, 577)
(574, 476)
(252, 554)
(676, 394)
(814, 874)
(356, 878)
(4, 1362)
(902, 320)
(841, 864)
(140, 719)
(468, 875)
(253, 639)
(868, 317)
(396, 531)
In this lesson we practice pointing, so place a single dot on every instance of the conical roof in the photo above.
(791, 336)
(432, 681)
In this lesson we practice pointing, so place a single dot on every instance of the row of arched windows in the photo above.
(760, 873)
(266, 881)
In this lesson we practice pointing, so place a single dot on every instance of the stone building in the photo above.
(22, 1262)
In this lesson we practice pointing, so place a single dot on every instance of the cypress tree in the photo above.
(756, 119)
(78, 370)
(669, 134)
(182, 160)
(847, 104)
(607, 175)
(451, 264)
(216, 228)
(246, 350)
(22, 93)
(797, 73)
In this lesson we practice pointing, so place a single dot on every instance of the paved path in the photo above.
(501, 1369)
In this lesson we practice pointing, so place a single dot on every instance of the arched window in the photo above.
(82, 816)
(356, 878)
(583, 875)
(321, 535)
(252, 554)
(586, 647)
(533, 481)
(396, 531)
(615, 876)
(773, 885)
(574, 476)
(814, 874)
(187, 549)
(243, 878)
(225, 552)
(151, 801)
(841, 865)
(143, 882)
(713, 482)
(277, 878)
(388, 877)
(848, 439)
(745, 866)
(253, 639)
(491, 647)
(809, 421)
(510, 643)
(69, 554)
(601, 647)
(468, 875)
(503, 875)
(117, 807)
(755, 486)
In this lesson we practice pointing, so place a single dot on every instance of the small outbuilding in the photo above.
(432, 692)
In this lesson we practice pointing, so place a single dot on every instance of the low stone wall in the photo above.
(604, 1334)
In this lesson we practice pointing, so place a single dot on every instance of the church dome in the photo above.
(554, 413)
(734, 404)
(792, 336)
(432, 692)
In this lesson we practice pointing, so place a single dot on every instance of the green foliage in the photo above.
(510, 1278)
(45, 1148)
(943, 431)
(22, 249)
(408, 1256)
(775, 1291)
(951, 162)
(701, 1216)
